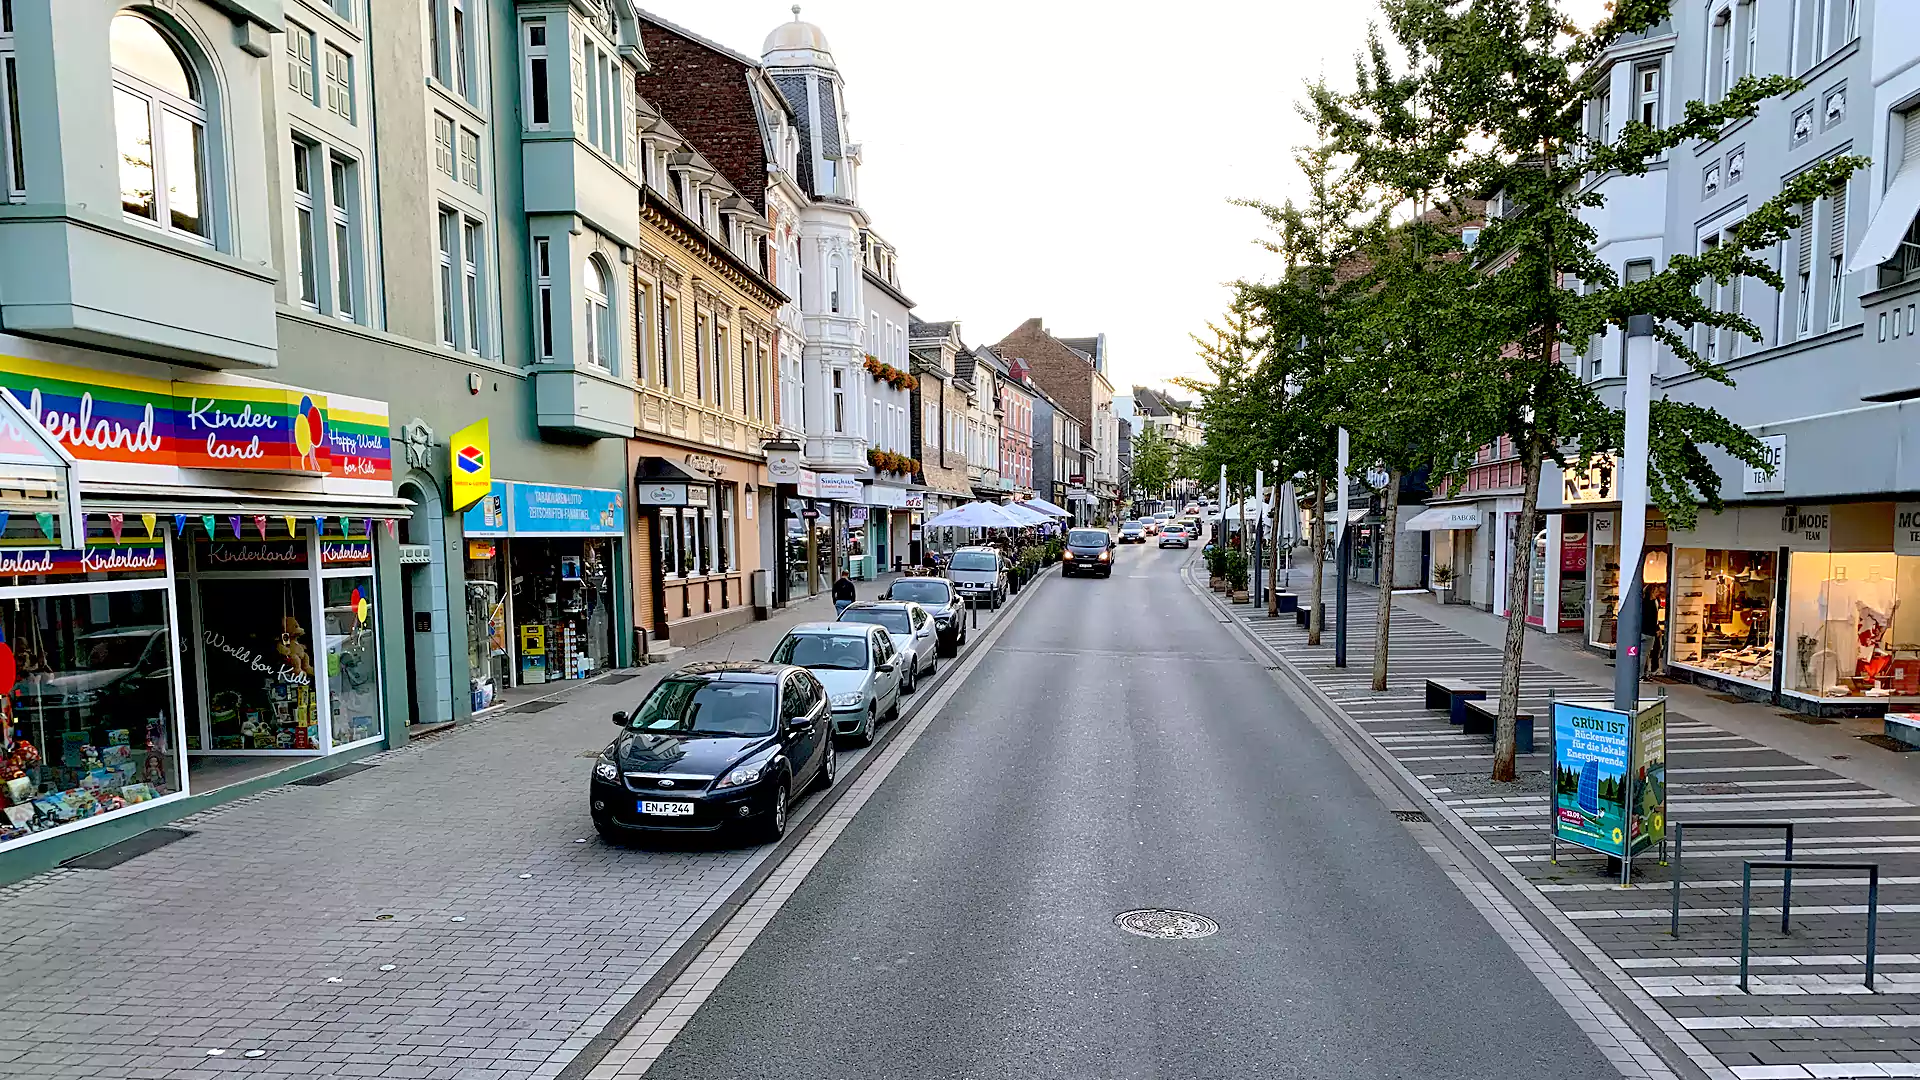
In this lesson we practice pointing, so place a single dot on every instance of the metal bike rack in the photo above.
(1679, 843)
(1786, 908)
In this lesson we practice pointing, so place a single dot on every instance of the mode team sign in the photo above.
(1610, 776)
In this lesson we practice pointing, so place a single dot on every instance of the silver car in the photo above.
(858, 665)
(980, 573)
(915, 634)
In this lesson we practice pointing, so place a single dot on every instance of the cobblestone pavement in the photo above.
(1809, 1013)
(448, 913)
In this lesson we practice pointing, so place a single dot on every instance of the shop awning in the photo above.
(1437, 518)
(1046, 507)
(1897, 209)
(659, 470)
(145, 499)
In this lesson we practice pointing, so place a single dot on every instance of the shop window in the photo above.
(669, 531)
(160, 120)
(1722, 621)
(487, 657)
(351, 652)
(1847, 632)
(257, 639)
(561, 602)
(691, 543)
(91, 724)
(727, 557)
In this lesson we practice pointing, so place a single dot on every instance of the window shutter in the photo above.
(629, 120)
(1910, 141)
(1837, 222)
(1806, 238)
(578, 45)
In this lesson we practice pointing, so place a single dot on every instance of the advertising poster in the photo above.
(1650, 775)
(1592, 746)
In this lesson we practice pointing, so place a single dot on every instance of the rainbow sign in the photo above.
(128, 419)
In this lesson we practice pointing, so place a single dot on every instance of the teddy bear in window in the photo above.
(293, 650)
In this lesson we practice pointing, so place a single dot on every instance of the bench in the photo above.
(1289, 602)
(1904, 727)
(1452, 695)
(1304, 615)
(1483, 718)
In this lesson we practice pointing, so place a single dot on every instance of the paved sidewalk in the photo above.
(1809, 1014)
(448, 913)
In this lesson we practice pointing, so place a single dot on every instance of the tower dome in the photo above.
(797, 43)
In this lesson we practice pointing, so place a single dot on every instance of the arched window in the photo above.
(160, 119)
(599, 316)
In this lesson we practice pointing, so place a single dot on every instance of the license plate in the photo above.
(666, 809)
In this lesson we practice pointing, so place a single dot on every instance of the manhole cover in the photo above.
(1166, 924)
(1410, 815)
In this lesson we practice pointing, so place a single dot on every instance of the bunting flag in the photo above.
(319, 525)
(46, 524)
(3, 522)
(233, 522)
(366, 528)
(260, 525)
(393, 528)
(150, 521)
(293, 525)
(345, 529)
(180, 525)
(206, 522)
(115, 523)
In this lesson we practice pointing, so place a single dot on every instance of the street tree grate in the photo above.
(131, 848)
(328, 777)
(1411, 815)
(1166, 924)
(534, 707)
(1885, 743)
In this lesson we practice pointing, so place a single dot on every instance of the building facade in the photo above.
(1016, 430)
(939, 410)
(1072, 376)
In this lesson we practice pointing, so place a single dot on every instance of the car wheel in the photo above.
(609, 834)
(912, 682)
(864, 737)
(829, 767)
(774, 826)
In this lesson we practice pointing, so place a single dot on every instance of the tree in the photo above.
(1152, 461)
(1512, 77)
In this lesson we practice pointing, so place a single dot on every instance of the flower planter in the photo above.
(1240, 596)
(1443, 593)
(1218, 584)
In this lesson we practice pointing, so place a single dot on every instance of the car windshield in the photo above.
(923, 591)
(1087, 538)
(894, 619)
(110, 651)
(974, 560)
(838, 652)
(707, 707)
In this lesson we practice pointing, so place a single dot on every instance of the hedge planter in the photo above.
(1218, 584)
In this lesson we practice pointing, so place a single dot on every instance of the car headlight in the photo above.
(746, 774)
(606, 770)
(1103, 556)
(850, 700)
(1067, 555)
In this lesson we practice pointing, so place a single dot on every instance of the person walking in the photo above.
(843, 594)
(1652, 601)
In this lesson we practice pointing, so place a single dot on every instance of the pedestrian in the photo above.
(1652, 596)
(842, 593)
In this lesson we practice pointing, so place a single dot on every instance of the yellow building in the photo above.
(705, 333)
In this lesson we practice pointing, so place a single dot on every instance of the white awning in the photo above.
(1436, 518)
(1896, 211)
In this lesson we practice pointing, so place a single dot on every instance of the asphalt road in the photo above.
(1118, 749)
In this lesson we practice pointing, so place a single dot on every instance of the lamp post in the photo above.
(1259, 528)
(1631, 472)
(1341, 554)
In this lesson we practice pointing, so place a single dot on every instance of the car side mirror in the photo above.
(886, 668)
(796, 722)
(620, 718)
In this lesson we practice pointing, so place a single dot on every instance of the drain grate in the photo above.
(533, 707)
(1166, 924)
(1411, 815)
(331, 775)
(616, 680)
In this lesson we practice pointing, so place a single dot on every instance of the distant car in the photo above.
(1151, 526)
(1088, 551)
(1133, 532)
(712, 746)
(942, 601)
(1174, 536)
(856, 663)
(980, 573)
(914, 632)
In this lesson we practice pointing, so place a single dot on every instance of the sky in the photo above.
(1069, 159)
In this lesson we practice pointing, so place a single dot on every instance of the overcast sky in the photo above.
(1070, 159)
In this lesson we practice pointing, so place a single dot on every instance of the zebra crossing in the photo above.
(1830, 1025)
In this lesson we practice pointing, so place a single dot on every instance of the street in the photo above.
(1117, 750)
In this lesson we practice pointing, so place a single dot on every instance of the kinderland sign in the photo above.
(1609, 777)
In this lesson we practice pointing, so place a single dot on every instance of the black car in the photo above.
(712, 746)
(1088, 551)
(942, 602)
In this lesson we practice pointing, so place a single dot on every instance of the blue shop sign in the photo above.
(553, 510)
(488, 517)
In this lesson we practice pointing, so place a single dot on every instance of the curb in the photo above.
(1677, 1049)
(623, 1021)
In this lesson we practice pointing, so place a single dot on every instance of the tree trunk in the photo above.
(1319, 558)
(1385, 612)
(1273, 557)
(1519, 586)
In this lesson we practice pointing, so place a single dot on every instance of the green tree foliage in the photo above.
(1152, 462)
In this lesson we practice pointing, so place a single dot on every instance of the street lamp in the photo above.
(1632, 473)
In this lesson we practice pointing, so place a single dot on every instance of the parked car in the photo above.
(1133, 532)
(857, 663)
(714, 746)
(1088, 551)
(942, 601)
(915, 635)
(1174, 536)
(980, 573)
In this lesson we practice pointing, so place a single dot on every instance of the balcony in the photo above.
(564, 176)
(69, 274)
(576, 403)
(837, 452)
(1890, 357)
